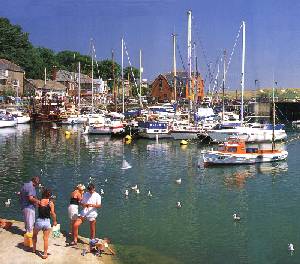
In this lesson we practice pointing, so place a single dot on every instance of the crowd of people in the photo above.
(90, 201)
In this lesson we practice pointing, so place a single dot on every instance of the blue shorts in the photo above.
(42, 224)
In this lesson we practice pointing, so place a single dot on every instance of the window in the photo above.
(160, 84)
(232, 149)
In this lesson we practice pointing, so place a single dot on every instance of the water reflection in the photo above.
(238, 177)
(272, 168)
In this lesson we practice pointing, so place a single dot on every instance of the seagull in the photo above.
(126, 193)
(149, 194)
(101, 192)
(178, 181)
(7, 203)
(137, 191)
(236, 217)
(134, 187)
(17, 193)
(178, 205)
(106, 180)
(291, 247)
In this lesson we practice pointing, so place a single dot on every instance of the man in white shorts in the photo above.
(90, 202)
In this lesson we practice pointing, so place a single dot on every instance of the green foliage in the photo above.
(131, 73)
(16, 47)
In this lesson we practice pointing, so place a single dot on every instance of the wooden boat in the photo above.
(235, 151)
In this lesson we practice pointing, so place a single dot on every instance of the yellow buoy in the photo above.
(183, 142)
(128, 137)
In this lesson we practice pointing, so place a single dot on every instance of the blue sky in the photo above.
(272, 39)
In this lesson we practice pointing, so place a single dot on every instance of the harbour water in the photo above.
(151, 229)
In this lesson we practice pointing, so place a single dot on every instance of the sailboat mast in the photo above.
(273, 117)
(114, 79)
(92, 76)
(223, 85)
(140, 86)
(190, 58)
(174, 67)
(243, 71)
(122, 74)
(79, 84)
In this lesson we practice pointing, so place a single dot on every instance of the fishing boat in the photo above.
(235, 151)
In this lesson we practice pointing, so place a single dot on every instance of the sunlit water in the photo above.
(153, 230)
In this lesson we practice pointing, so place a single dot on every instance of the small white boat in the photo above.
(153, 129)
(185, 132)
(21, 117)
(235, 151)
(75, 119)
(7, 121)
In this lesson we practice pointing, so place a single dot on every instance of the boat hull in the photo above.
(218, 158)
(7, 123)
(179, 135)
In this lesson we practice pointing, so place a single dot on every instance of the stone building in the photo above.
(11, 77)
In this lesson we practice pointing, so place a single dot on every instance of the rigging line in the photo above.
(233, 49)
(202, 47)
(128, 58)
(181, 59)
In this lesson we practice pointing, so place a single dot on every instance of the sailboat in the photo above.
(249, 133)
(185, 131)
(235, 150)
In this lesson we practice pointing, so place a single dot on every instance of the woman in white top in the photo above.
(90, 202)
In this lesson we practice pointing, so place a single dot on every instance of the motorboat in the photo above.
(235, 151)
(153, 129)
(7, 121)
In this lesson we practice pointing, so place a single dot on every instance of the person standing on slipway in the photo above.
(28, 202)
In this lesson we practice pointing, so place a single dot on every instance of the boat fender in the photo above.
(183, 142)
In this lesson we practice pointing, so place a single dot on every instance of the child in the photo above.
(100, 245)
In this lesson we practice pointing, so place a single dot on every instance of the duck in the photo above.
(8, 202)
(149, 194)
(291, 247)
(178, 181)
(106, 180)
(126, 193)
(101, 192)
(178, 205)
(236, 217)
(137, 191)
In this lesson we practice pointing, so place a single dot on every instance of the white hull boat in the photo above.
(235, 152)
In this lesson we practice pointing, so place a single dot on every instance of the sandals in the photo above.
(44, 256)
(73, 243)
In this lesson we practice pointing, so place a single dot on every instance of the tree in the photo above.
(16, 47)
(132, 74)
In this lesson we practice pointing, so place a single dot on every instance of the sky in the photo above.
(272, 34)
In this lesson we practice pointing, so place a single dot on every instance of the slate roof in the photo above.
(52, 85)
(66, 76)
(8, 65)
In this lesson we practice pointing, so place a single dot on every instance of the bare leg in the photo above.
(46, 238)
(34, 239)
(92, 229)
(76, 225)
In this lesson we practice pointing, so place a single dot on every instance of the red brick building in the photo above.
(163, 87)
